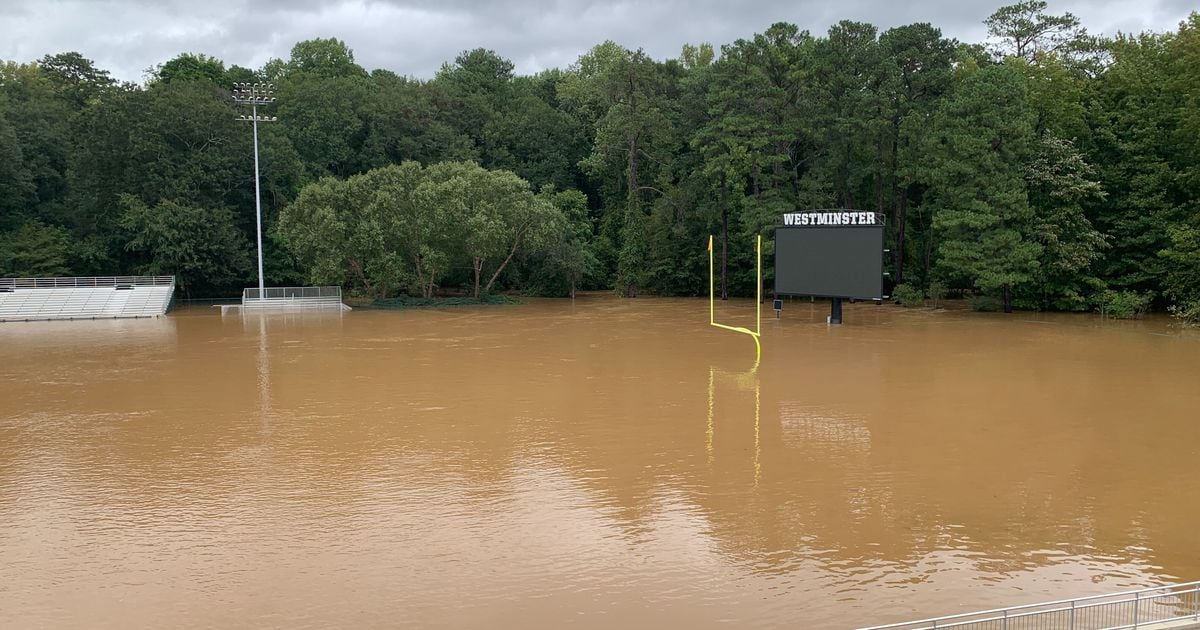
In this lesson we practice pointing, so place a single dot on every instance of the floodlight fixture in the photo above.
(254, 95)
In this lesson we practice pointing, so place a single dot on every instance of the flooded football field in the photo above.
(591, 463)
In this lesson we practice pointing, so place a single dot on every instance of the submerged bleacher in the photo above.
(288, 299)
(109, 297)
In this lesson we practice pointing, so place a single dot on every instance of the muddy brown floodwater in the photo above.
(589, 464)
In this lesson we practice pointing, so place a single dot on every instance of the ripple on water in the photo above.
(570, 464)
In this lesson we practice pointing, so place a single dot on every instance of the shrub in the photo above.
(1122, 304)
(984, 303)
(938, 292)
(405, 301)
(907, 295)
(1187, 312)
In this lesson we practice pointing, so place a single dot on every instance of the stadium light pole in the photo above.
(255, 94)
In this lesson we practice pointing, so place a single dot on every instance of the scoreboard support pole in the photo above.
(712, 303)
(835, 311)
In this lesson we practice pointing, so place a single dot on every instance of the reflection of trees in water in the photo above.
(898, 485)
(879, 469)
(886, 486)
(860, 460)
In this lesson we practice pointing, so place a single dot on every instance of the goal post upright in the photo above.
(712, 304)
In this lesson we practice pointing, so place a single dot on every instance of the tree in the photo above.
(693, 57)
(629, 91)
(1130, 118)
(199, 245)
(16, 184)
(391, 225)
(1060, 182)
(322, 57)
(40, 121)
(496, 210)
(847, 103)
(360, 232)
(918, 62)
(403, 122)
(1182, 282)
(35, 250)
(566, 259)
(1181, 93)
(471, 92)
(981, 137)
(192, 67)
(324, 97)
(326, 120)
(528, 136)
(751, 138)
(1024, 30)
(97, 167)
(76, 78)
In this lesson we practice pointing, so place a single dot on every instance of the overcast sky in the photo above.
(414, 37)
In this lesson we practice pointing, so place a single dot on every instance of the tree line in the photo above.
(1045, 168)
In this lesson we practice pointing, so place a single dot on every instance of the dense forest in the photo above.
(1046, 168)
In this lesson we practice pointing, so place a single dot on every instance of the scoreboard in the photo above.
(831, 254)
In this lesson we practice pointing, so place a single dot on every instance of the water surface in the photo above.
(589, 464)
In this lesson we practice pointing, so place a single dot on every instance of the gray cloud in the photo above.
(414, 37)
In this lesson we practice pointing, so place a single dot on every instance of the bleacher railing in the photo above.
(1147, 608)
(96, 281)
(292, 293)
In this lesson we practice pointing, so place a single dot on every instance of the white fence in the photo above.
(292, 298)
(1160, 607)
(91, 281)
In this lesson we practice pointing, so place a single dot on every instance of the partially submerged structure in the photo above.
(289, 299)
(108, 297)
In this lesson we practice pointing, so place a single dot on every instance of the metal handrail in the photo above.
(291, 293)
(89, 281)
(1072, 606)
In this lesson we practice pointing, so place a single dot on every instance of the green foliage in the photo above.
(937, 293)
(201, 246)
(1039, 172)
(407, 227)
(16, 183)
(35, 250)
(75, 78)
(404, 302)
(908, 295)
(1025, 30)
(634, 133)
(488, 216)
(1182, 281)
(984, 225)
(403, 122)
(38, 119)
(326, 118)
(1130, 136)
(1060, 183)
(693, 57)
(323, 57)
(1122, 304)
(568, 258)
(530, 137)
(183, 144)
(984, 303)
(192, 67)
(362, 232)
(1187, 312)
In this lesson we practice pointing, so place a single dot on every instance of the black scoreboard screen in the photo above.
(830, 254)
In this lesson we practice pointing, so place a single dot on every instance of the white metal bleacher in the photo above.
(24, 299)
(288, 299)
